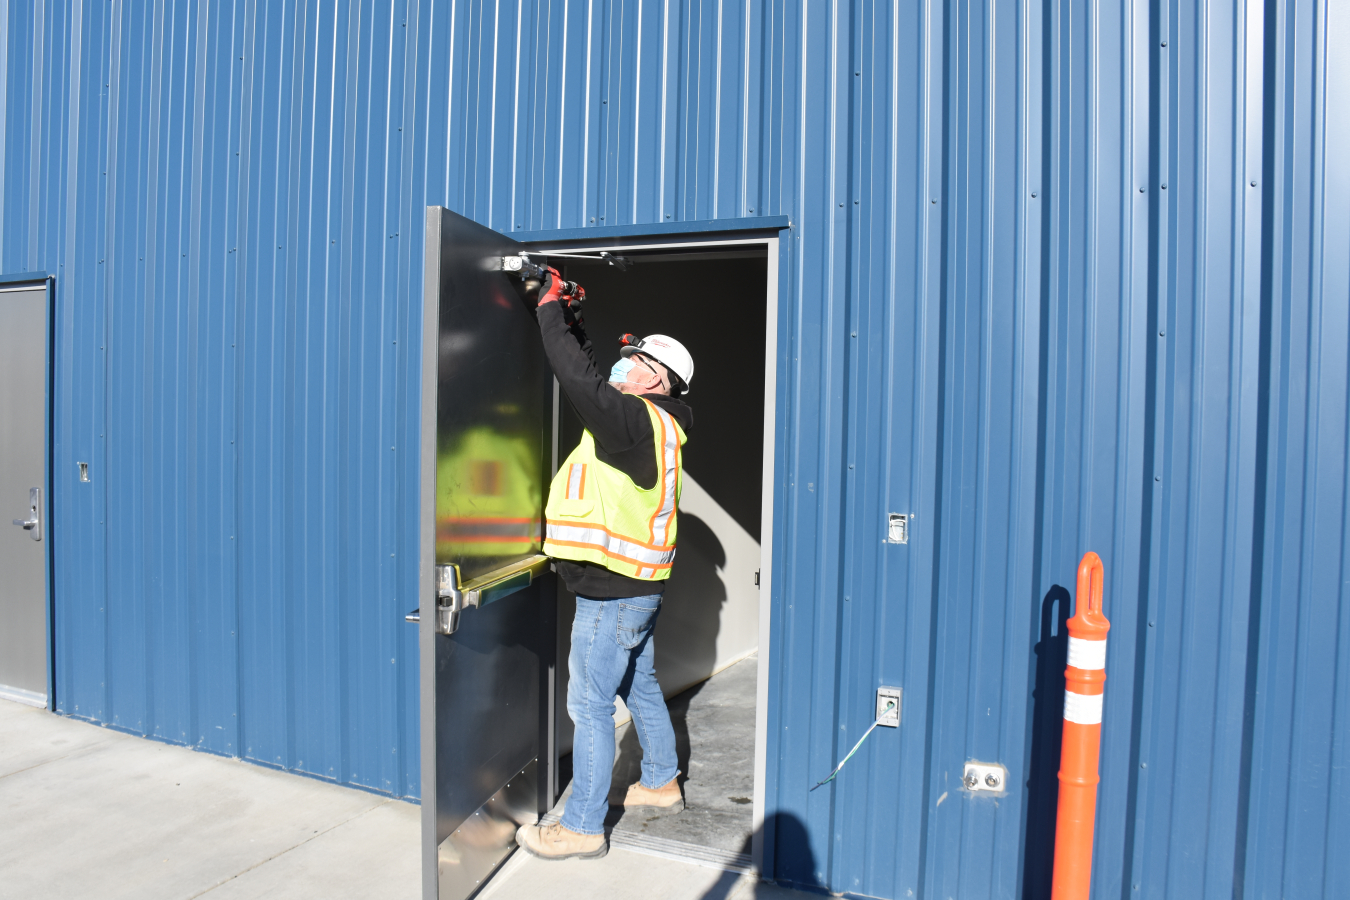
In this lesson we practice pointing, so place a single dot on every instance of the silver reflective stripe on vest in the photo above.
(670, 457)
(576, 477)
(608, 543)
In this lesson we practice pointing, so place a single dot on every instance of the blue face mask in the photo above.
(619, 373)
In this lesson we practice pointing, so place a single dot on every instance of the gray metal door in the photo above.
(23, 474)
(487, 613)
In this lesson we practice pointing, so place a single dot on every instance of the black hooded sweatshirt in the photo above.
(623, 435)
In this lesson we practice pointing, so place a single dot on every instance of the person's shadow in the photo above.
(795, 863)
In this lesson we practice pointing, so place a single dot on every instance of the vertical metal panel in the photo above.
(227, 185)
(1047, 359)
(1294, 816)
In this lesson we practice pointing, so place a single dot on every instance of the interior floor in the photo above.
(715, 742)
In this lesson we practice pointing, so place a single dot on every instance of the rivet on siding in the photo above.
(1141, 190)
(1253, 184)
(1164, 43)
(1033, 195)
(935, 200)
(1164, 187)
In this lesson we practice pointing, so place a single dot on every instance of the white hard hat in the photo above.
(669, 353)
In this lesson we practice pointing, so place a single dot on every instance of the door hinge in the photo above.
(757, 578)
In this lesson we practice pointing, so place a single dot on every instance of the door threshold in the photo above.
(680, 851)
(19, 695)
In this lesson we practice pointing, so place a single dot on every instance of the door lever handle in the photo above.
(33, 524)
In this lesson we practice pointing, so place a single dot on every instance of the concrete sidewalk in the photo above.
(90, 812)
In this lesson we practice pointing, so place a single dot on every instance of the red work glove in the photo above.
(551, 290)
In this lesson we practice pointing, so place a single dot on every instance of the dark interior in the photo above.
(714, 303)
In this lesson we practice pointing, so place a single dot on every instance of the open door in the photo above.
(487, 600)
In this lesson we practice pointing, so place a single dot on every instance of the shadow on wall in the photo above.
(692, 608)
(792, 848)
(1047, 729)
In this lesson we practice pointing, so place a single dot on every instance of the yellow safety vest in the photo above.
(597, 514)
(487, 497)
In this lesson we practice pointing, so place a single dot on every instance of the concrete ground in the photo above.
(625, 874)
(90, 812)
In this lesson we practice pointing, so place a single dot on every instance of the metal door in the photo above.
(23, 474)
(487, 609)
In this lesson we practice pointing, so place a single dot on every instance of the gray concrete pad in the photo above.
(625, 874)
(90, 812)
(93, 812)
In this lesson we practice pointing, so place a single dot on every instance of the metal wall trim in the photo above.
(774, 356)
(25, 277)
(654, 229)
(426, 544)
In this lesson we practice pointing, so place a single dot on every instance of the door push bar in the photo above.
(33, 524)
(452, 597)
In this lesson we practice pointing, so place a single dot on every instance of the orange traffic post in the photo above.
(1085, 685)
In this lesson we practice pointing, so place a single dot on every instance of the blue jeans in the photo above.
(612, 656)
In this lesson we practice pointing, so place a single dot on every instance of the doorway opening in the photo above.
(719, 300)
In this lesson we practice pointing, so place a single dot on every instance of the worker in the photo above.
(611, 524)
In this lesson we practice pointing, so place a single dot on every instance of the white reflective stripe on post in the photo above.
(574, 477)
(669, 454)
(603, 540)
(1084, 709)
(1087, 654)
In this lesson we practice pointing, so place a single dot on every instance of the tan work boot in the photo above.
(556, 842)
(665, 797)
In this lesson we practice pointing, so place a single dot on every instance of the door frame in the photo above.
(716, 236)
(47, 281)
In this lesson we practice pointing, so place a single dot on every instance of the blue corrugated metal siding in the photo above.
(993, 315)
(219, 188)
